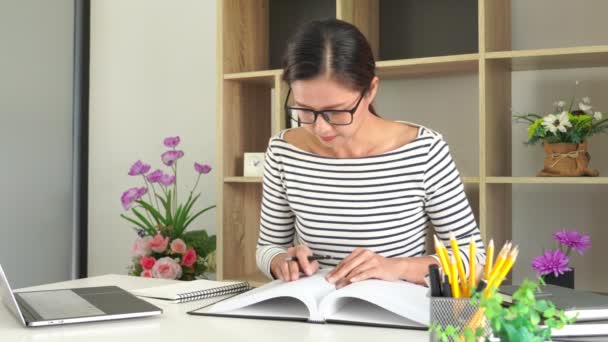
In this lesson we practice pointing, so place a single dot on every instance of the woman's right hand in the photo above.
(287, 270)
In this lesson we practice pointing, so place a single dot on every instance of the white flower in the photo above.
(554, 123)
(584, 107)
(586, 100)
(597, 116)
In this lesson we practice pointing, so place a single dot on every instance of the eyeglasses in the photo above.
(338, 117)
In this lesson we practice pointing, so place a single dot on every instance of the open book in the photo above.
(186, 291)
(370, 302)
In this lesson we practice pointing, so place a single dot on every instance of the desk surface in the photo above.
(175, 325)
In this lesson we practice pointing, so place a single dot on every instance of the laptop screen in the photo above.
(8, 298)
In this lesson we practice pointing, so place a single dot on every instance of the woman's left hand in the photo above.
(364, 264)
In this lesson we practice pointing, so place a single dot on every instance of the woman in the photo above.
(347, 183)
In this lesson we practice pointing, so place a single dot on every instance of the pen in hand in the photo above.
(313, 257)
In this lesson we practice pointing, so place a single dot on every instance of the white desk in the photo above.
(174, 325)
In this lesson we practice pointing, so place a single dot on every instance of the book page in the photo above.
(307, 290)
(407, 300)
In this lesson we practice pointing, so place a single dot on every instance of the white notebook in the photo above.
(313, 299)
(186, 291)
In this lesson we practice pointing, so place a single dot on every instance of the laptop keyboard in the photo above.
(59, 304)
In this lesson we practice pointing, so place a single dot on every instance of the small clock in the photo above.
(253, 164)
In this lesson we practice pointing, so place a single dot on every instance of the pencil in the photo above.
(459, 265)
(500, 259)
(489, 259)
(510, 260)
(312, 257)
(454, 275)
(442, 253)
(472, 266)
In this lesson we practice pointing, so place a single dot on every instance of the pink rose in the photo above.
(159, 243)
(166, 268)
(146, 274)
(189, 258)
(147, 262)
(178, 246)
(141, 246)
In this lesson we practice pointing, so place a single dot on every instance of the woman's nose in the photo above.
(321, 125)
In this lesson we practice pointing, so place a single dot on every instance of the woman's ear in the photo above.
(373, 89)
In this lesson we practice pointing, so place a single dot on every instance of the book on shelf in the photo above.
(186, 291)
(312, 299)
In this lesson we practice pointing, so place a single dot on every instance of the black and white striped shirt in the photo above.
(382, 202)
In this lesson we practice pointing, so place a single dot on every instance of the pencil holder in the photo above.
(458, 313)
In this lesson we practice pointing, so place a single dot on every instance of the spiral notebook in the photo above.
(192, 290)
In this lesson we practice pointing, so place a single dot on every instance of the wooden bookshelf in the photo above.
(251, 95)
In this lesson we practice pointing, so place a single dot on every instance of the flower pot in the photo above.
(566, 160)
(564, 280)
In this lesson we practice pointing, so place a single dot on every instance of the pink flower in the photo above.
(171, 141)
(147, 262)
(167, 179)
(141, 246)
(159, 243)
(154, 177)
(189, 258)
(130, 196)
(573, 240)
(139, 168)
(206, 168)
(167, 268)
(178, 246)
(170, 157)
(555, 262)
(146, 274)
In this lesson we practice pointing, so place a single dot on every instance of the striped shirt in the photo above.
(382, 202)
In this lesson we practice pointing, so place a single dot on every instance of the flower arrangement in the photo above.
(564, 125)
(163, 248)
(556, 261)
(564, 134)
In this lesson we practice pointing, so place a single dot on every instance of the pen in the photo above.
(313, 257)
(446, 290)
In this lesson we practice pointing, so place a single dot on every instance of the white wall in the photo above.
(153, 74)
(36, 140)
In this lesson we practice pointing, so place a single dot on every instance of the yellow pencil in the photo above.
(443, 256)
(489, 259)
(454, 275)
(459, 265)
(510, 260)
(500, 259)
(472, 270)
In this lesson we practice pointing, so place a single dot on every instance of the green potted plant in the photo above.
(526, 320)
(564, 134)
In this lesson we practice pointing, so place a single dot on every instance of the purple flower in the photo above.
(171, 142)
(555, 262)
(170, 157)
(139, 168)
(130, 196)
(206, 168)
(573, 239)
(167, 179)
(155, 176)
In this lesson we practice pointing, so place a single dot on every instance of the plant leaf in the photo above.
(197, 215)
(150, 227)
(139, 224)
(155, 214)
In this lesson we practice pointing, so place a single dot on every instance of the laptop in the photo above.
(76, 305)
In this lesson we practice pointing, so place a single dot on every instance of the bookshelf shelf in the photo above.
(264, 77)
(574, 57)
(547, 180)
(427, 66)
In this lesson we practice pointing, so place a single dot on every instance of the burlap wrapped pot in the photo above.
(566, 160)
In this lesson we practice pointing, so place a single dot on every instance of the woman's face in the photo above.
(323, 93)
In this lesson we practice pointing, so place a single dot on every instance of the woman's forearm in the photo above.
(413, 269)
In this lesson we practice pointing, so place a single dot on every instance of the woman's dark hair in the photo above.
(330, 46)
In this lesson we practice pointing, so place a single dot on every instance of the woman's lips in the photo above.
(328, 139)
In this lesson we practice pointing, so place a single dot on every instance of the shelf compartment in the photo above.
(427, 66)
(264, 77)
(547, 180)
(560, 58)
